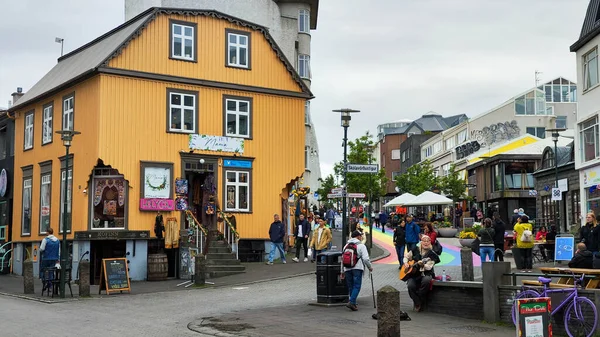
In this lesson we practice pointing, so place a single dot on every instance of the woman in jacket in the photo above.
(424, 258)
(429, 231)
(499, 229)
(524, 227)
(486, 240)
(586, 233)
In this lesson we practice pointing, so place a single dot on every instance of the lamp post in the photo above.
(369, 216)
(345, 113)
(61, 41)
(66, 136)
(555, 136)
(483, 210)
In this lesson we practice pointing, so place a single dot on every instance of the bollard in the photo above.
(388, 311)
(200, 270)
(466, 263)
(493, 276)
(84, 278)
(28, 287)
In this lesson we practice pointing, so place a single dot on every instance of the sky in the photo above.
(390, 59)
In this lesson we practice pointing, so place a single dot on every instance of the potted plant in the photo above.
(446, 230)
(468, 235)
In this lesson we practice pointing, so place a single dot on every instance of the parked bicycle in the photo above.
(576, 307)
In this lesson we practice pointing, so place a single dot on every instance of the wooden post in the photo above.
(466, 263)
(388, 311)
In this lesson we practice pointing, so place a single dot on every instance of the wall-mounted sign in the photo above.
(112, 235)
(3, 182)
(237, 163)
(216, 143)
(591, 176)
(362, 168)
(563, 185)
(467, 149)
(153, 204)
(157, 182)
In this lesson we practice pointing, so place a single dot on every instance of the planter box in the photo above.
(466, 242)
(447, 232)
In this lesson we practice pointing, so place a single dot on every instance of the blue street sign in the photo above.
(564, 246)
(237, 163)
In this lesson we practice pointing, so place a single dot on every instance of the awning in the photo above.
(400, 200)
(428, 198)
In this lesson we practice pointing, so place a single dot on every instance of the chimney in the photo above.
(17, 95)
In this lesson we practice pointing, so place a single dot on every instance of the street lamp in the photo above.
(555, 136)
(66, 136)
(369, 216)
(484, 185)
(61, 41)
(345, 113)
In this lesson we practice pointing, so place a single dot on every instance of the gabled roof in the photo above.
(590, 27)
(87, 59)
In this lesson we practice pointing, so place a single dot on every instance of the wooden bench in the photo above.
(593, 283)
(539, 284)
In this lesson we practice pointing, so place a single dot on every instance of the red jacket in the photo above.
(432, 236)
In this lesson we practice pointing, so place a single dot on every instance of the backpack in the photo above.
(527, 236)
(350, 255)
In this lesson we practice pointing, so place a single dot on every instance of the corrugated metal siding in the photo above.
(150, 53)
(84, 150)
(132, 129)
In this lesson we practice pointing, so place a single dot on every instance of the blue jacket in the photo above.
(50, 248)
(383, 217)
(412, 232)
(276, 232)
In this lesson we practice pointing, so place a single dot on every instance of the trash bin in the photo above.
(330, 287)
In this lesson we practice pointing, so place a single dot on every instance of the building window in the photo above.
(306, 157)
(548, 211)
(45, 190)
(3, 142)
(519, 175)
(307, 113)
(69, 183)
(561, 122)
(395, 175)
(110, 199)
(238, 49)
(156, 179)
(548, 159)
(182, 111)
(47, 124)
(531, 104)
(560, 91)
(28, 134)
(450, 143)
(461, 137)
(445, 170)
(575, 208)
(538, 132)
(590, 69)
(237, 187)
(237, 116)
(68, 111)
(497, 177)
(395, 154)
(304, 66)
(428, 151)
(437, 147)
(26, 210)
(183, 40)
(304, 21)
(588, 134)
(403, 156)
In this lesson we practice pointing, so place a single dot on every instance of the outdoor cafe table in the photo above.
(568, 278)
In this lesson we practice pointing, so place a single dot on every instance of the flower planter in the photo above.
(447, 232)
(466, 242)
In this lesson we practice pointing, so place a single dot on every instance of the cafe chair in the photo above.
(48, 281)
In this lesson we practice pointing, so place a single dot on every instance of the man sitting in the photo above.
(583, 258)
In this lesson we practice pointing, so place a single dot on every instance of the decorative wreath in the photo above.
(159, 187)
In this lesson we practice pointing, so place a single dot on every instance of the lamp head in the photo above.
(346, 115)
(67, 136)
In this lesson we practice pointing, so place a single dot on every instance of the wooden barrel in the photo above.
(158, 267)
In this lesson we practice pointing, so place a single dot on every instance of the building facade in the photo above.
(7, 151)
(179, 110)
(290, 23)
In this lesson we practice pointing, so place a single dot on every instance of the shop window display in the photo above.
(109, 202)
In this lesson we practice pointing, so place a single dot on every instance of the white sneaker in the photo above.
(305, 259)
(284, 261)
(295, 259)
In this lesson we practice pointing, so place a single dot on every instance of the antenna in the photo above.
(537, 78)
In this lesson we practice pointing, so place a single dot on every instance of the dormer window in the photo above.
(238, 49)
(183, 40)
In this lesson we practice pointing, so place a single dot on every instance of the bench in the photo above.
(539, 284)
(592, 276)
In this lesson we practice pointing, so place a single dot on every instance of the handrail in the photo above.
(3, 258)
(237, 235)
(203, 232)
(229, 233)
(196, 222)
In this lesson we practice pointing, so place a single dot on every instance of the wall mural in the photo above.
(496, 133)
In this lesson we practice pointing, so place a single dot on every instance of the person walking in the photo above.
(499, 230)
(412, 233)
(320, 239)
(376, 217)
(354, 274)
(301, 234)
(400, 241)
(486, 239)
(523, 233)
(330, 217)
(276, 235)
(383, 218)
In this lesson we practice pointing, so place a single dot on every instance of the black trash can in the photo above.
(330, 287)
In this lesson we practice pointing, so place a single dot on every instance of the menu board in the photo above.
(114, 276)
(533, 317)
(564, 246)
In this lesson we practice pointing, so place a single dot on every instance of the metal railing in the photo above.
(230, 235)
(199, 230)
(5, 253)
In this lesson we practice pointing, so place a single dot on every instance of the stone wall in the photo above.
(457, 298)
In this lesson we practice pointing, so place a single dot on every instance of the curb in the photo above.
(24, 297)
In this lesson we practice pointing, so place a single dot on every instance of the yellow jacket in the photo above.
(325, 238)
(519, 229)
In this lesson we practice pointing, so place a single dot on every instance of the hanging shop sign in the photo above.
(216, 143)
(153, 204)
(112, 235)
(3, 182)
(591, 176)
(467, 149)
(237, 163)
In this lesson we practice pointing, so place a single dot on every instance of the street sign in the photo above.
(337, 190)
(556, 194)
(356, 195)
(362, 168)
(334, 195)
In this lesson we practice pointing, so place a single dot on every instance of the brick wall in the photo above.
(461, 299)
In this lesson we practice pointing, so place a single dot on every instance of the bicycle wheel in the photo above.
(529, 293)
(581, 318)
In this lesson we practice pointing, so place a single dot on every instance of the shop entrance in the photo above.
(104, 250)
(196, 192)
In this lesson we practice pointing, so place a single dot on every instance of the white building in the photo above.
(290, 23)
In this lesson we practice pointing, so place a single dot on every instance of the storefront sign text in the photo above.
(153, 204)
(467, 149)
(112, 235)
(216, 143)
(237, 163)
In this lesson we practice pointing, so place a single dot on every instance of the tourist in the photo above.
(301, 234)
(354, 273)
(330, 216)
(499, 230)
(400, 241)
(320, 239)
(486, 241)
(525, 242)
(583, 258)
(429, 231)
(515, 218)
(424, 258)
(276, 235)
(49, 249)
(412, 233)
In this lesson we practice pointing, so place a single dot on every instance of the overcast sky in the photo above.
(391, 59)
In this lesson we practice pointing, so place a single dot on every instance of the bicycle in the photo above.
(576, 307)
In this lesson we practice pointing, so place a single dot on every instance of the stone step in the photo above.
(218, 250)
(218, 267)
(229, 261)
(220, 256)
(217, 274)
(218, 244)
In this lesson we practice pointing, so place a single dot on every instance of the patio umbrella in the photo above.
(400, 200)
(428, 198)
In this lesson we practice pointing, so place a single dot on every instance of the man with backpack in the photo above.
(354, 259)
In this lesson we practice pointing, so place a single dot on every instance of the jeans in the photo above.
(331, 222)
(354, 282)
(400, 253)
(526, 255)
(300, 241)
(486, 252)
(317, 252)
(276, 246)
(499, 252)
(411, 246)
(418, 287)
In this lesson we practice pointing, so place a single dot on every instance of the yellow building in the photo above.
(168, 98)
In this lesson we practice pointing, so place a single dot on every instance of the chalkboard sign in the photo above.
(114, 276)
(533, 317)
(564, 247)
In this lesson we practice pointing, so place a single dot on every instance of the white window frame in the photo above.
(304, 66)
(183, 38)
(596, 127)
(69, 198)
(403, 156)
(307, 113)
(237, 184)
(306, 157)
(586, 62)
(47, 124)
(396, 154)
(46, 180)
(450, 142)
(304, 21)
(437, 147)
(27, 184)
(445, 170)
(68, 111)
(237, 49)
(462, 134)
(237, 113)
(182, 107)
(28, 135)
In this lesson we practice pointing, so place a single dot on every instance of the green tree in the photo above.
(453, 185)
(326, 185)
(417, 179)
